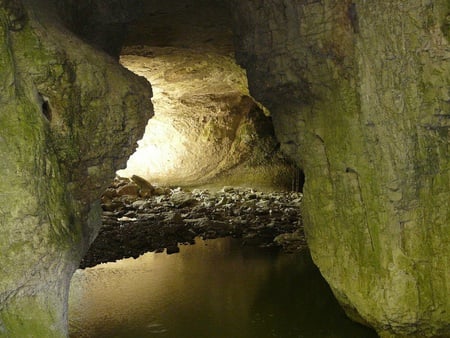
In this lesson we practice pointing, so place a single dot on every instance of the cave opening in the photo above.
(208, 155)
(208, 171)
(358, 94)
(207, 128)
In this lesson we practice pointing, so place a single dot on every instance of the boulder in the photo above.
(145, 188)
(129, 189)
(182, 199)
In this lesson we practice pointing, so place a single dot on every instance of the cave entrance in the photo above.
(209, 163)
(207, 129)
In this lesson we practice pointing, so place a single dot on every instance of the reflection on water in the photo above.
(214, 289)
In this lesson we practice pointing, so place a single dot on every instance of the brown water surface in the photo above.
(214, 289)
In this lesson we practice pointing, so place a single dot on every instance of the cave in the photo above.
(346, 102)
(207, 128)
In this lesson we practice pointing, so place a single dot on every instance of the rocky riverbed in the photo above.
(138, 217)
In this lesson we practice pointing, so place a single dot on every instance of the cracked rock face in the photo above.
(359, 93)
(70, 116)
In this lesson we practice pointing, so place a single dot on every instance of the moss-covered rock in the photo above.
(359, 92)
(69, 117)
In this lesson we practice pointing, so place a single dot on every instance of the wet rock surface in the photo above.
(379, 233)
(135, 221)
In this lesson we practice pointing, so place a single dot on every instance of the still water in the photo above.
(214, 289)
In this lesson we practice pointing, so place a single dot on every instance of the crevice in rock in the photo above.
(45, 108)
(298, 179)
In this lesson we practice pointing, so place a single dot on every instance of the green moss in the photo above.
(29, 318)
(445, 26)
(45, 197)
(369, 188)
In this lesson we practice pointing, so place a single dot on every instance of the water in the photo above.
(214, 289)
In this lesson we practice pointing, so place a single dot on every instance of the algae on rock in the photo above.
(359, 94)
(69, 117)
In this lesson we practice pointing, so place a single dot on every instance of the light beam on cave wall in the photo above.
(197, 100)
(160, 153)
(163, 148)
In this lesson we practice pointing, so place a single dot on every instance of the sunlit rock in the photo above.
(207, 128)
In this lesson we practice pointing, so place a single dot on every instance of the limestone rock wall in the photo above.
(69, 117)
(359, 93)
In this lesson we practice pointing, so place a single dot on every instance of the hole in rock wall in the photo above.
(298, 179)
(45, 108)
